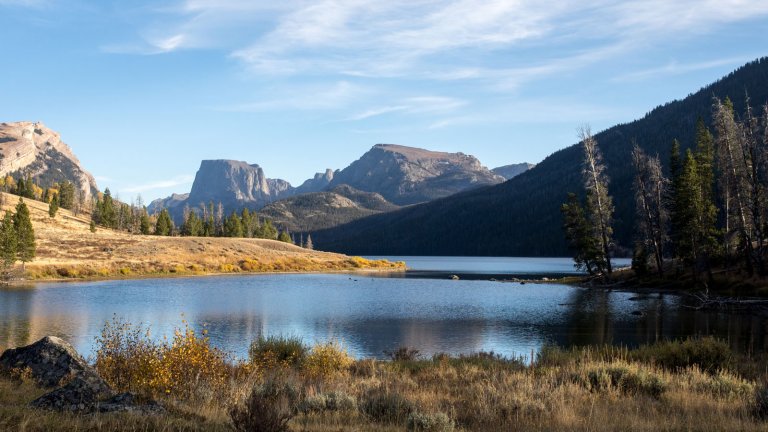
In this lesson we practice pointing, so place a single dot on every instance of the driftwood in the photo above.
(703, 301)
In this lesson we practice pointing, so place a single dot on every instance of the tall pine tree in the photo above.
(25, 233)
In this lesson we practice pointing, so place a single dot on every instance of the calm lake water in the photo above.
(371, 314)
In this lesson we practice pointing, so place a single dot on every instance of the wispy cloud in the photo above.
(307, 97)
(413, 105)
(677, 68)
(403, 37)
(161, 184)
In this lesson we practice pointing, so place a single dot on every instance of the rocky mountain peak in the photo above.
(408, 175)
(33, 148)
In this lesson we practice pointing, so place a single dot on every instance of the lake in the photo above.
(373, 313)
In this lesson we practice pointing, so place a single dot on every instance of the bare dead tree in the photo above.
(650, 186)
(730, 146)
(598, 199)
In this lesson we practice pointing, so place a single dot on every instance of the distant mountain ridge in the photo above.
(385, 177)
(511, 171)
(31, 148)
(521, 217)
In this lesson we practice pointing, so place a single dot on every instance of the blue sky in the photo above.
(144, 90)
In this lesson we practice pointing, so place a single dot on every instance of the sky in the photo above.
(144, 90)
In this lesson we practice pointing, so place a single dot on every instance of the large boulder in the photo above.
(50, 361)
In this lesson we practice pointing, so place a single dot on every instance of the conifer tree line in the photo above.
(710, 209)
(64, 193)
(207, 221)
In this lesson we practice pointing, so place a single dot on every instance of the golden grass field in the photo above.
(67, 249)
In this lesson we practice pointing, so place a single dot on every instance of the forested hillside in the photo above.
(522, 216)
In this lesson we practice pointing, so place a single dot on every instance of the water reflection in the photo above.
(369, 315)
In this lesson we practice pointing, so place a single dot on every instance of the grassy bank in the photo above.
(284, 385)
(67, 249)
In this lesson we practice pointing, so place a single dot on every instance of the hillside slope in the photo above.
(521, 217)
(66, 248)
(320, 210)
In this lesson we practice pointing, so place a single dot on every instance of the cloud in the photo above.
(160, 184)
(304, 97)
(369, 38)
(677, 68)
(413, 105)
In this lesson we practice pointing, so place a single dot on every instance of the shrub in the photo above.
(334, 401)
(403, 354)
(268, 408)
(723, 384)
(708, 353)
(363, 368)
(438, 422)
(326, 360)
(624, 377)
(128, 359)
(277, 351)
(383, 406)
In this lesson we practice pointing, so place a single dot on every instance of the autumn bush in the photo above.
(129, 359)
(327, 359)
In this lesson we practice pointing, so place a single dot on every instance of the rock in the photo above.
(54, 362)
(128, 402)
(80, 394)
(49, 360)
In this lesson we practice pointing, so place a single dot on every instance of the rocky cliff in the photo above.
(234, 184)
(28, 148)
(407, 175)
(318, 183)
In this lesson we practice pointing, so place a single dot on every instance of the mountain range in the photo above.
(383, 179)
(521, 217)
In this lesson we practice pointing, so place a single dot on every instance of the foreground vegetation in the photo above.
(285, 385)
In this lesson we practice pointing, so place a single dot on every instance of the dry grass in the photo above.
(578, 390)
(67, 249)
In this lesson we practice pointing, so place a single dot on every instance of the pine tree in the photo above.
(233, 226)
(67, 195)
(9, 241)
(192, 226)
(144, 225)
(93, 227)
(580, 235)
(705, 167)
(107, 215)
(689, 207)
(285, 237)
(25, 233)
(309, 245)
(53, 206)
(164, 225)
